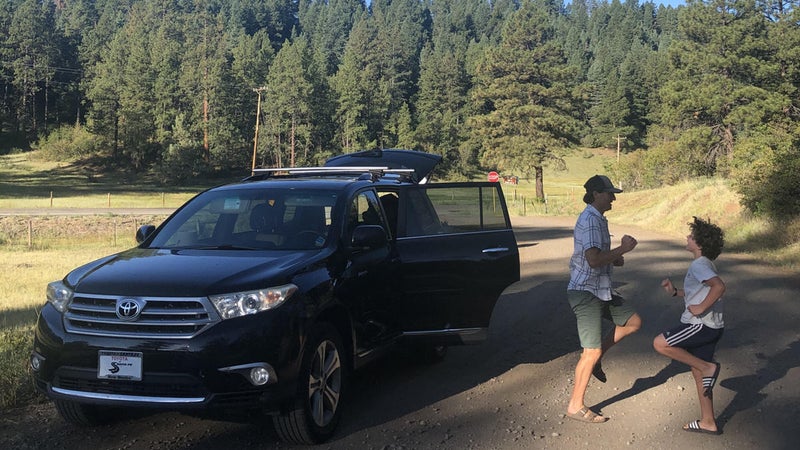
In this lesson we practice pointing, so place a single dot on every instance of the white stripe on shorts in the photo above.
(684, 334)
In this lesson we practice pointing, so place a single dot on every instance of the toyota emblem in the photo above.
(129, 309)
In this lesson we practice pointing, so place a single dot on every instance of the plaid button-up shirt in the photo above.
(591, 231)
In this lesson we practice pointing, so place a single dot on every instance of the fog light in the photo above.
(259, 376)
(36, 362)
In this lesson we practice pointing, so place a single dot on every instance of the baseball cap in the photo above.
(600, 183)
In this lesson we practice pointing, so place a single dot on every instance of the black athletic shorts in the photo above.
(697, 339)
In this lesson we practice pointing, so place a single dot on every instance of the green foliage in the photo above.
(184, 160)
(507, 84)
(16, 344)
(67, 143)
(525, 107)
(766, 172)
(721, 82)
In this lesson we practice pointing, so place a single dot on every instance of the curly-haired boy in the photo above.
(695, 340)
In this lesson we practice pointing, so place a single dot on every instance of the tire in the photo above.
(322, 389)
(430, 353)
(84, 415)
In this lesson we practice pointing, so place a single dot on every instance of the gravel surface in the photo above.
(511, 391)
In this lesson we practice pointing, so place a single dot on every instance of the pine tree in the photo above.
(290, 96)
(718, 90)
(524, 97)
(362, 105)
(32, 60)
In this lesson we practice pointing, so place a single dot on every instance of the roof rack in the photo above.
(374, 172)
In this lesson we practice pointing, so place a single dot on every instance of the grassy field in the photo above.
(35, 250)
(28, 182)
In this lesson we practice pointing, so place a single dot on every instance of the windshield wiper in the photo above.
(215, 247)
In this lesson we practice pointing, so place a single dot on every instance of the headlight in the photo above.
(59, 295)
(243, 303)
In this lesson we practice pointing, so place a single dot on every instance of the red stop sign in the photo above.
(494, 177)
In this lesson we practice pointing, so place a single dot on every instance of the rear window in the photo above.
(453, 209)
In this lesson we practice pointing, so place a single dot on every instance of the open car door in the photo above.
(457, 254)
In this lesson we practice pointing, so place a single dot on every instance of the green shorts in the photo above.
(590, 312)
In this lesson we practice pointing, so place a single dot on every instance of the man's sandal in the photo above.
(587, 415)
(598, 372)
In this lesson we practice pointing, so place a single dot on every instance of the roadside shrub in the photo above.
(68, 142)
(652, 168)
(15, 384)
(766, 172)
(180, 164)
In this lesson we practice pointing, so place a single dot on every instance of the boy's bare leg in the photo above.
(706, 368)
(707, 420)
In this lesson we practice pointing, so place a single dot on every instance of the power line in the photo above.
(71, 70)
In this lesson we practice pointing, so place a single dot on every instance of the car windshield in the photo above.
(258, 219)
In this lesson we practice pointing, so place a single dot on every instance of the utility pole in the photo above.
(258, 116)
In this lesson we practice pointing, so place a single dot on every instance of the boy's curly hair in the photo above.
(709, 237)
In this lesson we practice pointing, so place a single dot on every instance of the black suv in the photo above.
(266, 293)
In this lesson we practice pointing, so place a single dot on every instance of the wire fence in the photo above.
(45, 231)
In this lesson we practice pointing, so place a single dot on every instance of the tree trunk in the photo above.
(539, 182)
(291, 142)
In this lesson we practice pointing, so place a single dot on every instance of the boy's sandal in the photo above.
(709, 382)
(694, 427)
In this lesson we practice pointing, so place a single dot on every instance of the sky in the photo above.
(673, 3)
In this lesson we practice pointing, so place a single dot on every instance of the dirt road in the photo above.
(511, 391)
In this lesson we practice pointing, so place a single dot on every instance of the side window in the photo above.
(421, 217)
(390, 203)
(454, 209)
(364, 210)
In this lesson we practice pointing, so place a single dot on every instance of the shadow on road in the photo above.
(643, 384)
(749, 388)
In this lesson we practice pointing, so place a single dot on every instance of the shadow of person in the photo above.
(643, 384)
(748, 387)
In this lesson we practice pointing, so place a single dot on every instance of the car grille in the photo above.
(174, 318)
(157, 385)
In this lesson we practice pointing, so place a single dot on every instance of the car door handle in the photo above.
(495, 250)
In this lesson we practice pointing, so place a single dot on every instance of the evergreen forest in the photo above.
(183, 88)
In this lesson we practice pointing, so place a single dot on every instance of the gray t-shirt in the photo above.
(695, 291)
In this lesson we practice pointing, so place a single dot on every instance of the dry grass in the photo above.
(58, 244)
(26, 181)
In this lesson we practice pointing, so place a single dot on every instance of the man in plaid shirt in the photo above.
(590, 293)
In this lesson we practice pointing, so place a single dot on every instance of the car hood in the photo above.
(422, 163)
(187, 273)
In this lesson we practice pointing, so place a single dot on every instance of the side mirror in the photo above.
(366, 237)
(143, 232)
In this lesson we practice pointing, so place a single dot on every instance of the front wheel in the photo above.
(322, 387)
(429, 353)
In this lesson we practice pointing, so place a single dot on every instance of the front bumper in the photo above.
(208, 371)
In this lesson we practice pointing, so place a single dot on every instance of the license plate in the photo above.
(118, 365)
